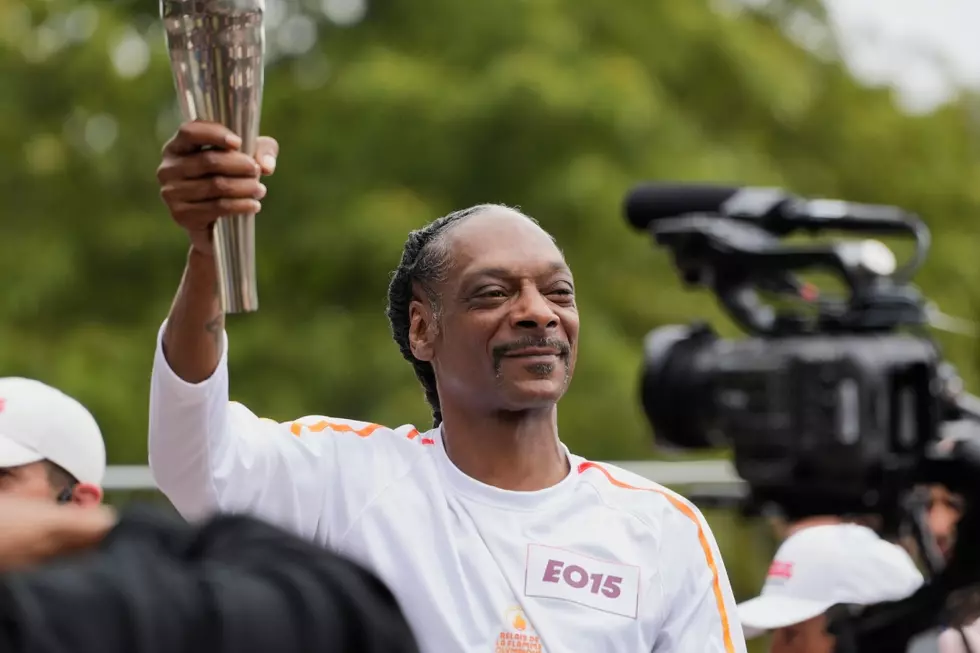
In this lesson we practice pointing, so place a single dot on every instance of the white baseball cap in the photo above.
(38, 422)
(822, 566)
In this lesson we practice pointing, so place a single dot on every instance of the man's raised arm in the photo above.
(207, 454)
(198, 187)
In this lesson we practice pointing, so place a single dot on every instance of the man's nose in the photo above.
(534, 311)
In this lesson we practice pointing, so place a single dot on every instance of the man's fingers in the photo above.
(212, 188)
(194, 135)
(205, 175)
(197, 216)
(266, 153)
(206, 164)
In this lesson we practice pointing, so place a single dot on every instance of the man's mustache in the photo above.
(559, 345)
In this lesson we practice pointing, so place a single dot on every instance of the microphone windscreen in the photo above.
(650, 202)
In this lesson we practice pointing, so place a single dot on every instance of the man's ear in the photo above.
(86, 494)
(421, 329)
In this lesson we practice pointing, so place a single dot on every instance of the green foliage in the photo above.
(425, 107)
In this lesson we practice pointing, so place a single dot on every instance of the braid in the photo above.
(426, 261)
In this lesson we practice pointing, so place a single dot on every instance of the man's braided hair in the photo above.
(425, 261)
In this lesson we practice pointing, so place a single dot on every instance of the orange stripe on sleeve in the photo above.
(702, 538)
(297, 428)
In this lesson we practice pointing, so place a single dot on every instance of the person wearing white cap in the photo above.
(820, 567)
(50, 445)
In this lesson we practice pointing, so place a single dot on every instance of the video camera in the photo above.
(835, 404)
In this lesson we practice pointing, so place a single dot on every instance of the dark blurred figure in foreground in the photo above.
(80, 580)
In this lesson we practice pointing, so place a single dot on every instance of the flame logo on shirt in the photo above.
(517, 635)
(519, 623)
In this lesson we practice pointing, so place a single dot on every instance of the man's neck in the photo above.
(511, 451)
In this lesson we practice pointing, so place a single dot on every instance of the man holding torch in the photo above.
(491, 534)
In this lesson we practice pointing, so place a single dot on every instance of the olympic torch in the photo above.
(216, 54)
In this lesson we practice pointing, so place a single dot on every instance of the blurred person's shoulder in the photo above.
(963, 608)
(956, 640)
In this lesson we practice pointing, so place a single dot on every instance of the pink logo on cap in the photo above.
(780, 569)
(3, 402)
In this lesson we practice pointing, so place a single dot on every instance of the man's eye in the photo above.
(493, 294)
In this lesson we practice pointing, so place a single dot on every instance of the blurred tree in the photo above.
(392, 113)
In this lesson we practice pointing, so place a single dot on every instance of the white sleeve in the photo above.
(209, 455)
(701, 615)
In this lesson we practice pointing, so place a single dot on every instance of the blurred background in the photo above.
(390, 113)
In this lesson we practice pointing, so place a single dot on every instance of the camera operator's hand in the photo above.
(31, 531)
(204, 175)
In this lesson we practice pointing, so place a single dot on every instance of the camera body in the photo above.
(837, 405)
(830, 403)
(818, 424)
